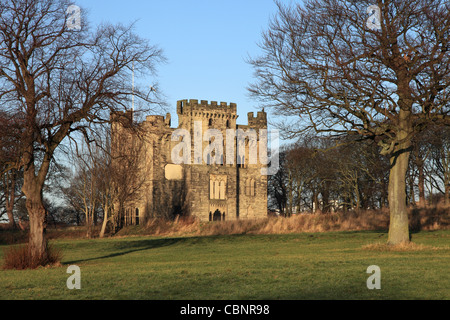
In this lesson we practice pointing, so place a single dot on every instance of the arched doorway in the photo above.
(217, 215)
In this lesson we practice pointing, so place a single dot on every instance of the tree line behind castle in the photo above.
(356, 176)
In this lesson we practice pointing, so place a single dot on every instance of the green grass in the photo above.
(245, 267)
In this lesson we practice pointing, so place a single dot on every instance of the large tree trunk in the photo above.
(399, 225)
(37, 243)
(400, 152)
(33, 186)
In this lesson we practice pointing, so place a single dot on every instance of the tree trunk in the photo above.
(9, 211)
(9, 182)
(37, 243)
(446, 165)
(384, 193)
(88, 225)
(315, 201)
(447, 194)
(357, 193)
(412, 198)
(33, 186)
(420, 165)
(105, 221)
(326, 197)
(10, 198)
(399, 225)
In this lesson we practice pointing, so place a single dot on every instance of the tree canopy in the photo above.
(327, 68)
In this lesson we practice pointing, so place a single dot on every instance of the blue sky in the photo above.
(206, 44)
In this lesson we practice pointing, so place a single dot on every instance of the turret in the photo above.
(259, 122)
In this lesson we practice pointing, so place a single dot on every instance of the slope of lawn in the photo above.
(297, 266)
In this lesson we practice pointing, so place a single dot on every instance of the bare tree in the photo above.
(106, 179)
(10, 193)
(82, 192)
(361, 175)
(10, 179)
(127, 162)
(439, 162)
(276, 188)
(313, 176)
(325, 63)
(60, 81)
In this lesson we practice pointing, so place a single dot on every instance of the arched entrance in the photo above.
(217, 210)
(217, 215)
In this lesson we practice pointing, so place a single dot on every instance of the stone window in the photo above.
(250, 186)
(217, 187)
(241, 162)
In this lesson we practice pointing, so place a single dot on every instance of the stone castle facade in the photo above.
(208, 187)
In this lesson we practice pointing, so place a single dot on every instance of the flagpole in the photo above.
(132, 104)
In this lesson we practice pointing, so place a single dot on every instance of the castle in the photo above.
(211, 187)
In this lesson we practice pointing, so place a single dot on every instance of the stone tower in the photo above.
(216, 184)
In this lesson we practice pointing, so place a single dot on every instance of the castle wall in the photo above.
(209, 192)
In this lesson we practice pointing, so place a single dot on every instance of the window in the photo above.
(250, 186)
(217, 187)
(222, 190)
(216, 190)
(241, 162)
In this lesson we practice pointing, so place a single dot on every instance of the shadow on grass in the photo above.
(128, 246)
(131, 246)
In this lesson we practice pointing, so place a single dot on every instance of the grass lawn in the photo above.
(240, 267)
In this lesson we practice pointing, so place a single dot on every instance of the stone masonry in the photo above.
(209, 188)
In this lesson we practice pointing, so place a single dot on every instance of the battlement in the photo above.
(125, 118)
(187, 106)
(157, 120)
(261, 118)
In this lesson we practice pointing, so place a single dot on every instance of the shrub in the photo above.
(18, 258)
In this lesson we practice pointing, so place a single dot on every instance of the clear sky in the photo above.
(206, 43)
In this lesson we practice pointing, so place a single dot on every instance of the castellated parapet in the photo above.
(259, 121)
(158, 121)
(187, 106)
(125, 118)
(210, 191)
